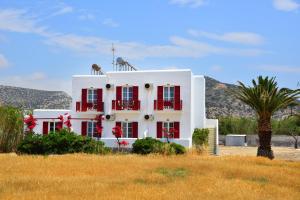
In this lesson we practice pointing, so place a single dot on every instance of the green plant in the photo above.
(61, 142)
(265, 98)
(237, 125)
(179, 149)
(146, 146)
(11, 128)
(200, 138)
(150, 145)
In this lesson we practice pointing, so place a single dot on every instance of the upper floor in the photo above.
(133, 91)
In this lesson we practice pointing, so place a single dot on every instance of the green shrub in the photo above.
(11, 128)
(237, 125)
(150, 145)
(200, 137)
(146, 146)
(60, 143)
(179, 149)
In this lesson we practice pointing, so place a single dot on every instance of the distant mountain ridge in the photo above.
(34, 99)
(219, 102)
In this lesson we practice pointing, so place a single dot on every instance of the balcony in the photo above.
(170, 105)
(89, 107)
(126, 104)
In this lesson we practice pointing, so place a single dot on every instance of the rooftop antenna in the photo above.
(113, 54)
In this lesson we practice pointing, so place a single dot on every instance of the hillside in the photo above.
(33, 99)
(219, 102)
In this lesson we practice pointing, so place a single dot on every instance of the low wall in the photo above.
(277, 140)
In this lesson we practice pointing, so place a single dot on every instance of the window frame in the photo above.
(168, 126)
(127, 129)
(92, 95)
(127, 93)
(93, 128)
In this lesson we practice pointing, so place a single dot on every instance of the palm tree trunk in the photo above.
(265, 135)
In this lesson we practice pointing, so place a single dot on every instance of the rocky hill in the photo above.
(219, 102)
(34, 99)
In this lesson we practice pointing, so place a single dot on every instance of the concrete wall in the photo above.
(277, 140)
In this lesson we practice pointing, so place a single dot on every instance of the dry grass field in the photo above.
(191, 176)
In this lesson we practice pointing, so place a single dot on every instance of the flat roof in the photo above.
(138, 71)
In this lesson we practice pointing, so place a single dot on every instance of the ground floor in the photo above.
(134, 125)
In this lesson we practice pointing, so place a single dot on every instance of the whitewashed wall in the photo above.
(192, 91)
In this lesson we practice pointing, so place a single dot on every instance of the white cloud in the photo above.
(38, 81)
(110, 22)
(280, 68)
(235, 37)
(86, 16)
(63, 9)
(216, 68)
(18, 21)
(178, 47)
(286, 5)
(190, 3)
(3, 62)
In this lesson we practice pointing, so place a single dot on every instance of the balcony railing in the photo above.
(167, 104)
(89, 107)
(126, 104)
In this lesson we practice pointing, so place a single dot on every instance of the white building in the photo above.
(141, 102)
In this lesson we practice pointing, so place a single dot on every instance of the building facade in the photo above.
(142, 103)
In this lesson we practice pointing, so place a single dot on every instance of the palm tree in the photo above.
(265, 98)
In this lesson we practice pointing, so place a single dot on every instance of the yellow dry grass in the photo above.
(191, 176)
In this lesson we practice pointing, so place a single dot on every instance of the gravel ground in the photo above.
(284, 153)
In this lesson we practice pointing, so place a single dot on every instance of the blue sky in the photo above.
(43, 43)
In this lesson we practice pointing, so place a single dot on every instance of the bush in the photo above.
(11, 128)
(237, 125)
(60, 143)
(200, 137)
(150, 145)
(179, 149)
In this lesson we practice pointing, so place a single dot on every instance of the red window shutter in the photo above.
(177, 98)
(177, 128)
(135, 97)
(58, 126)
(84, 100)
(160, 98)
(119, 124)
(45, 128)
(135, 129)
(99, 100)
(83, 128)
(118, 98)
(159, 129)
(77, 106)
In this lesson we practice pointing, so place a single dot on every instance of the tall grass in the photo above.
(11, 128)
(82, 176)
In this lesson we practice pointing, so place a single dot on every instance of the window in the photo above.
(127, 93)
(92, 129)
(167, 126)
(127, 129)
(168, 93)
(53, 126)
(92, 96)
